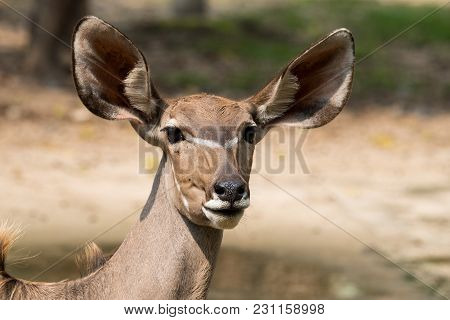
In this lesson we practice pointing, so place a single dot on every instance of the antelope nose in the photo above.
(230, 190)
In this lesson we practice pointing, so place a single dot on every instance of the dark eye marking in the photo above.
(174, 135)
(249, 134)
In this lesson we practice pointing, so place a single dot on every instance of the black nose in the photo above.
(230, 190)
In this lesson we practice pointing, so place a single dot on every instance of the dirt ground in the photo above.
(378, 179)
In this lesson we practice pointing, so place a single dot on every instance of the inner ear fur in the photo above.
(313, 88)
(111, 74)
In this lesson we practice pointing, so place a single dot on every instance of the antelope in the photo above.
(170, 253)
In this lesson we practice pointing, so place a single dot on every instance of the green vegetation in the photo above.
(241, 52)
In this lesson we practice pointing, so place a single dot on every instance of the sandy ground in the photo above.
(379, 180)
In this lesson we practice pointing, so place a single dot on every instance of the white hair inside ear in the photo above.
(136, 86)
(313, 88)
(281, 98)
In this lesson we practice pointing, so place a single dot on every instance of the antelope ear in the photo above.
(111, 74)
(313, 88)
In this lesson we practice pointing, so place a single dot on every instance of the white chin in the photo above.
(223, 221)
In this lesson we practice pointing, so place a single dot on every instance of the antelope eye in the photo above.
(174, 135)
(250, 134)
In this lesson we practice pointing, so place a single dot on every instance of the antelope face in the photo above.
(208, 140)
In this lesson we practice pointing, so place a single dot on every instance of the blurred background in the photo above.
(380, 172)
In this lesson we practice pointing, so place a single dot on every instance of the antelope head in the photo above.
(209, 140)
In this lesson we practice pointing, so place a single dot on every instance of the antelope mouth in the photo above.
(225, 207)
(224, 218)
(223, 212)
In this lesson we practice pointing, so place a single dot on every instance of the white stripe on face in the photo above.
(203, 142)
(229, 144)
(211, 143)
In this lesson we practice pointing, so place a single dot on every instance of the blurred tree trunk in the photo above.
(47, 57)
(183, 8)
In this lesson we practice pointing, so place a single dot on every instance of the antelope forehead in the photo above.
(206, 129)
(206, 110)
